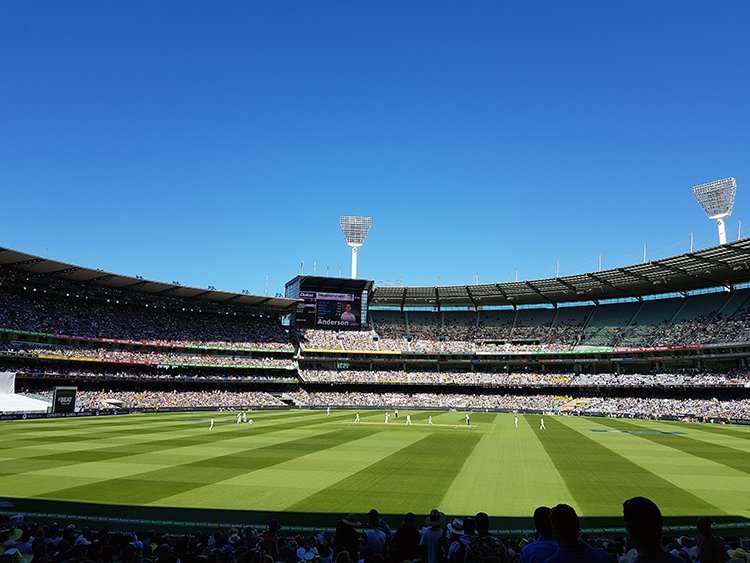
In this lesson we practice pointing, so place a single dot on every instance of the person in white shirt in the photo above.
(239, 417)
(541, 424)
(244, 417)
(328, 411)
(210, 428)
(387, 416)
(429, 420)
(408, 420)
(356, 417)
(468, 420)
(516, 421)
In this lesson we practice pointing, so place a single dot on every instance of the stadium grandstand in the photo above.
(664, 341)
(677, 327)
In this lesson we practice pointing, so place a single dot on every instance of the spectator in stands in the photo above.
(484, 547)
(545, 545)
(375, 538)
(406, 540)
(710, 548)
(432, 535)
(566, 529)
(346, 538)
(643, 522)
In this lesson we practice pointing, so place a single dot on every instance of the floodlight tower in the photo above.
(717, 199)
(355, 230)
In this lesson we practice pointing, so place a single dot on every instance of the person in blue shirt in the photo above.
(566, 529)
(545, 545)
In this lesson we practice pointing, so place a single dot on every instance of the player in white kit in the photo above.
(396, 413)
(429, 420)
(244, 417)
(210, 428)
(328, 411)
(516, 421)
(356, 417)
(541, 424)
(387, 416)
(408, 420)
(468, 420)
(239, 417)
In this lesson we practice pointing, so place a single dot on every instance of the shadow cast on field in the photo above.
(205, 519)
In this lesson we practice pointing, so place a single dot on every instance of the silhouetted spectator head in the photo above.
(703, 525)
(542, 521)
(565, 524)
(482, 521)
(409, 519)
(470, 526)
(643, 521)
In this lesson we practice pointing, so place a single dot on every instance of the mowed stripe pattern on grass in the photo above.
(303, 461)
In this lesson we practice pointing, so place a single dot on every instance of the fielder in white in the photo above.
(516, 421)
(408, 420)
(429, 420)
(244, 417)
(356, 417)
(239, 417)
(210, 428)
(541, 424)
(387, 416)
(328, 411)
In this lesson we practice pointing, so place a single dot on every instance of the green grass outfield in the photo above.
(314, 468)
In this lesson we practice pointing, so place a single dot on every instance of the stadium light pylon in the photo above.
(717, 199)
(355, 229)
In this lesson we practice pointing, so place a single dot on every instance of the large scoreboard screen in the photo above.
(329, 303)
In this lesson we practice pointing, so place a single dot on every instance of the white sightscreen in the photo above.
(7, 382)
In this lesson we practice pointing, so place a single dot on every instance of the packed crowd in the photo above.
(238, 376)
(38, 311)
(558, 538)
(635, 407)
(655, 408)
(142, 357)
(428, 400)
(337, 340)
(163, 399)
(526, 379)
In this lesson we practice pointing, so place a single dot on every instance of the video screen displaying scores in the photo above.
(340, 310)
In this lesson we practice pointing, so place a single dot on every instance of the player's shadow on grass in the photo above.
(130, 517)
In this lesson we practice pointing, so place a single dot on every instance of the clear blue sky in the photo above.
(215, 142)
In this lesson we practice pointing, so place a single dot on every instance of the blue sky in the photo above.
(214, 142)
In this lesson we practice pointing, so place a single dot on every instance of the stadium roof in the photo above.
(725, 265)
(30, 264)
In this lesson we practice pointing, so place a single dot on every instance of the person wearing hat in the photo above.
(710, 548)
(406, 540)
(545, 545)
(347, 538)
(456, 549)
(643, 521)
(432, 535)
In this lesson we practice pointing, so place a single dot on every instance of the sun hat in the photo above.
(456, 527)
(435, 519)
